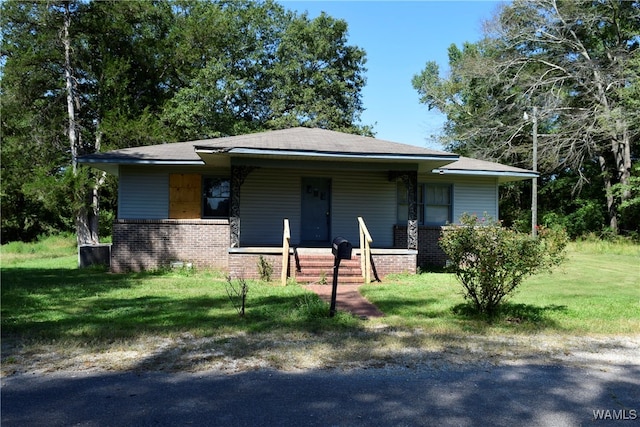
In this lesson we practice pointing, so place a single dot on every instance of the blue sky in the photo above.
(399, 38)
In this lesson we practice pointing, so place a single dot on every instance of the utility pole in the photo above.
(534, 181)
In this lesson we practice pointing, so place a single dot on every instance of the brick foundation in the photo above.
(394, 263)
(429, 252)
(150, 244)
(245, 266)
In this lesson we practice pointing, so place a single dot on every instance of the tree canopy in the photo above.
(570, 65)
(140, 73)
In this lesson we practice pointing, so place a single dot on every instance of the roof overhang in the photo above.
(502, 176)
(111, 165)
(425, 162)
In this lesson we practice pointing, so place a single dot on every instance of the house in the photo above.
(225, 202)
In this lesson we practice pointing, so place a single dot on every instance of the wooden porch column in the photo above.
(238, 175)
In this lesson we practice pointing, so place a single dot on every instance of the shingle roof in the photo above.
(300, 141)
(466, 163)
(468, 166)
(287, 140)
(315, 140)
(177, 151)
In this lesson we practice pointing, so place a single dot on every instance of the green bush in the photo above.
(491, 261)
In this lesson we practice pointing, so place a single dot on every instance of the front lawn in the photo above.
(596, 291)
(55, 316)
(51, 299)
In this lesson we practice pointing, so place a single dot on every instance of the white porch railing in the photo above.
(286, 238)
(365, 250)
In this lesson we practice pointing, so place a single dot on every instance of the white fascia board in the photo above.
(316, 154)
(143, 162)
(520, 175)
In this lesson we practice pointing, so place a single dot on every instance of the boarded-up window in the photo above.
(184, 196)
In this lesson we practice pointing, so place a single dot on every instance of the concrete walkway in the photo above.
(348, 299)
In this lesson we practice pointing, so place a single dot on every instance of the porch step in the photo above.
(319, 269)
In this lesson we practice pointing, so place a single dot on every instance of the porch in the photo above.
(151, 244)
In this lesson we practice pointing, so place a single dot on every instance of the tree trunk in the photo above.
(612, 210)
(95, 207)
(622, 153)
(621, 148)
(83, 228)
(94, 214)
(66, 41)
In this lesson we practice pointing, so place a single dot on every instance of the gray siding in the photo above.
(370, 195)
(270, 195)
(143, 194)
(266, 198)
(475, 198)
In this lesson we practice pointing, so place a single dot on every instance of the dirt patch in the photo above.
(374, 347)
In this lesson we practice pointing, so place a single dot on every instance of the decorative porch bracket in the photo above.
(238, 175)
(410, 180)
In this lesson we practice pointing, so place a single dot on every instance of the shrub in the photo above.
(491, 261)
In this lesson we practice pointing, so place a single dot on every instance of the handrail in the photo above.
(286, 238)
(365, 250)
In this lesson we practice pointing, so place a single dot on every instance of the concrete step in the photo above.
(343, 271)
(319, 268)
(323, 260)
(328, 279)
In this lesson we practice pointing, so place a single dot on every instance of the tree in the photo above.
(85, 76)
(259, 67)
(317, 77)
(224, 56)
(576, 62)
(129, 71)
(35, 142)
(85, 219)
(76, 77)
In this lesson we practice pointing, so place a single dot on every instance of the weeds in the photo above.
(237, 293)
(265, 269)
(311, 307)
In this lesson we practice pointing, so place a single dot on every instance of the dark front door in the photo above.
(316, 211)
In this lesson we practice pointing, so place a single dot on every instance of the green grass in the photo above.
(46, 298)
(47, 248)
(596, 291)
(50, 299)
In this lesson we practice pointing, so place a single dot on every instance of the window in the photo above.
(434, 204)
(216, 200)
(437, 204)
